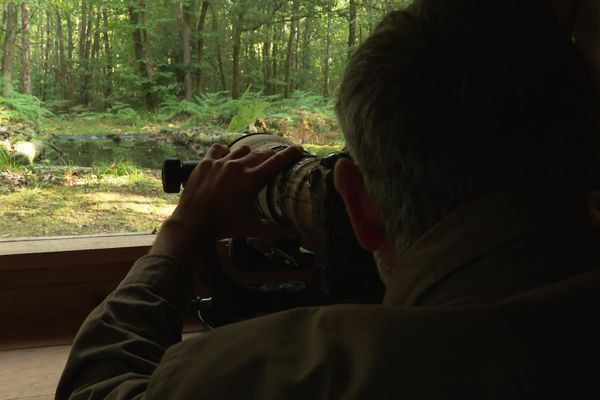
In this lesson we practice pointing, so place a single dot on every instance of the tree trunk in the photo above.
(327, 56)
(215, 28)
(237, 39)
(69, 67)
(26, 75)
(46, 79)
(290, 50)
(266, 59)
(184, 13)
(296, 67)
(306, 64)
(274, 55)
(82, 30)
(153, 101)
(200, 45)
(351, 26)
(96, 40)
(10, 48)
(61, 55)
(95, 55)
(85, 27)
(88, 34)
(108, 70)
(143, 55)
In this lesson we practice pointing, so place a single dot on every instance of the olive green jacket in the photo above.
(501, 300)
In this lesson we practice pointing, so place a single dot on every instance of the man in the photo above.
(471, 125)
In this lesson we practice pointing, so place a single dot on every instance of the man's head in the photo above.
(451, 100)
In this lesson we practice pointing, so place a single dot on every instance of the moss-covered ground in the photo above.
(81, 186)
(79, 202)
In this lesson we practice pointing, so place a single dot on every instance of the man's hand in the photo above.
(219, 200)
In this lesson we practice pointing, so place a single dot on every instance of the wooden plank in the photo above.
(49, 245)
(38, 277)
(49, 285)
(50, 304)
(31, 373)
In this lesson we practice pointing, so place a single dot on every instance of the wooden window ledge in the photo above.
(49, 285)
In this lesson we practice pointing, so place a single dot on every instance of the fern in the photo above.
(24, 106)
(246, 115)
(7, 161)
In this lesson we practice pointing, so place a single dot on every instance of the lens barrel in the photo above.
(175, 174)
(285, 200)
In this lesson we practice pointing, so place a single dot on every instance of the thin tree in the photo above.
(108, 69)
(351, 26)
(26, 53)
(237, 39)
(185, 17)
(10, 48)
(326, 59)
(291, 45)
(142, 50)
(62, 63)
(70, 50)
(200, 33)
(215, 28)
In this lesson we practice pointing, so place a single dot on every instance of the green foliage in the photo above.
(30, 195)
(122, 114)
(7, 161)
(248, 108)
(23, 106)
(173, 108)
(303, 101)
(120, 168)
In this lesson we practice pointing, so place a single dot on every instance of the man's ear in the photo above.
(349, 182)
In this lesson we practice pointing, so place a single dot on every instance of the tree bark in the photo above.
(10, 48)
(45, 81)
(184, 13)
(266, 58)
(62, 63)
(215, 28)
(200, 45)
(89, 33)
(82, 30)
(143, 55)
(327, 56)
(96, 40)
(85, 27)
(26, 75)
(237, 39)
(290, 51)
(351, 26)
(274, 55)
(69, 67)
(108, 70)
(306, 38)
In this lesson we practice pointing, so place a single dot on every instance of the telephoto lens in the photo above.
(285, 200)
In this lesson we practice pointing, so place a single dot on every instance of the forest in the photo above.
(94, 54)
(97, 93)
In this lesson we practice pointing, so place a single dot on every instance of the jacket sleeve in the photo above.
(122, 341)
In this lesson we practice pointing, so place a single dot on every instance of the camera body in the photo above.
(304, 199)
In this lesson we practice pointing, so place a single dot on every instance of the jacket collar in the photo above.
(476, 229)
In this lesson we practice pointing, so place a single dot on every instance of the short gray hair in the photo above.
(450, 100)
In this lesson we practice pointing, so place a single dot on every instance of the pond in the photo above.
(142, 150)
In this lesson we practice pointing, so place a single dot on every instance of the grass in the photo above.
(7, 162)
(117, 194)
(86, 203)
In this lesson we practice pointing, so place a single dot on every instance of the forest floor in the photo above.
(99, 175)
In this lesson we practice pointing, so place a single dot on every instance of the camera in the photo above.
(304, 199)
